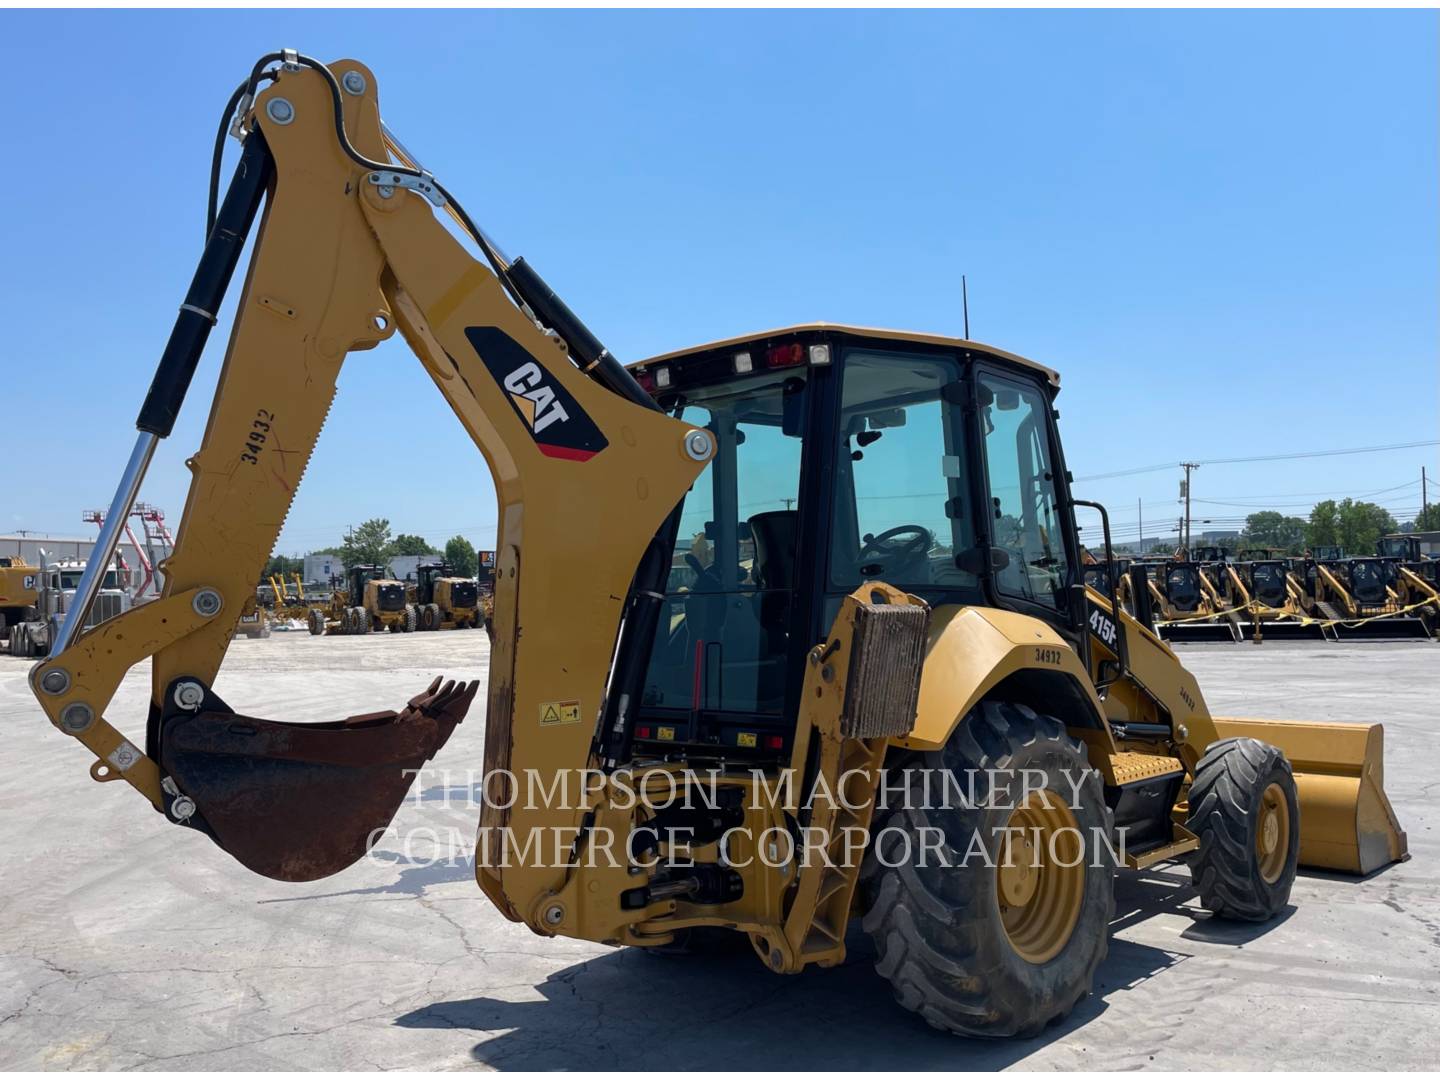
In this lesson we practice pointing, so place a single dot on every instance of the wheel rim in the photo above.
(1272, 833)
(1040, 877)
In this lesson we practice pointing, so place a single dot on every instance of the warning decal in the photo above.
(559, 712)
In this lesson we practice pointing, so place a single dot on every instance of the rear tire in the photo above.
(317, 623)
(411, 618)
(1246, 813)
(953, 950)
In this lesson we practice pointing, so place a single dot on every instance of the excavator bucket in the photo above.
(296, 802)
(1346, 821)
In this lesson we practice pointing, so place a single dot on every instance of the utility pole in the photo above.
(1189, 467)
(1424, 494)
(965, 304)
(1140, 512)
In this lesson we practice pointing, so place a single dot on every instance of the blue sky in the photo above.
(1221, 227)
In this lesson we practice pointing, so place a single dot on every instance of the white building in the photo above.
(320, 569)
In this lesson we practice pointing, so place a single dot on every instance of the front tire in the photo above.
(1246, 813)
(1004, 941)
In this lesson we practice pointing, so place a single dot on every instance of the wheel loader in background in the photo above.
(892, 603)
(446, 602)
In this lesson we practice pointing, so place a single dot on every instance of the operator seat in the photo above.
(774, 533)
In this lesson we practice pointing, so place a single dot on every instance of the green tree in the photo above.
(1272, 529)
(1324, 527)
(1428, 519)
(460, 556)
(1361, 524)
(367, 543)
(284, 565)
(410, 544)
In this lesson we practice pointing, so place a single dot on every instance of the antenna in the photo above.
(965, 304)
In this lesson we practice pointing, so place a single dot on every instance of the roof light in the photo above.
(819, 355)
(785, 356)
(642, 733)
(662, 377)
(645, 379)
(774, 742)
(743, 363)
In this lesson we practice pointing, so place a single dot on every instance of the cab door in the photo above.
(1034, 558)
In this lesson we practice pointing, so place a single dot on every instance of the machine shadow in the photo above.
(632, 1010)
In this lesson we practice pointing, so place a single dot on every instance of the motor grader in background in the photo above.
(913, 611)
(444, 601)
(371, 600)
(289, 604)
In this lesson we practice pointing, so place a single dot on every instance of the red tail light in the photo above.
(785, 356)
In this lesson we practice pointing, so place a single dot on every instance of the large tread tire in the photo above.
(1225, 801)
(412, 617)
(317, 623)
(937, 928)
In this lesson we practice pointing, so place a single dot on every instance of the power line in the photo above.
(1261, 457)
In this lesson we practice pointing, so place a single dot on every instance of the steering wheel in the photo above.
(889, 547)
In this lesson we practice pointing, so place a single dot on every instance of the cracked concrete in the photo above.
(130, 944)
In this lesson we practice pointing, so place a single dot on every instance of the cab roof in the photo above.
(1050, 374)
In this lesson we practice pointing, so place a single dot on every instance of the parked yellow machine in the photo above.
(444, 601)
(370, 601)
(19, 591)
(889, 604)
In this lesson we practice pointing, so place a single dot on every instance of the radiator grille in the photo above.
(883, 689)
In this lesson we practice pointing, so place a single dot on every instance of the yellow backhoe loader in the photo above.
(883, 692)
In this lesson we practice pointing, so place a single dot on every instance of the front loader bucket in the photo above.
(1198, 630)
(296, 802)
(1284, 630)
(1384, 628)
(1346, 821)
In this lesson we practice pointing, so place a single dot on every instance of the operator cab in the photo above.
(843, 455)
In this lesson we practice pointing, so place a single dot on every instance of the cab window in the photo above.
(901, 511)
(1024, 507)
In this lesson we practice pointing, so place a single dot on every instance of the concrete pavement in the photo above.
(128, 943)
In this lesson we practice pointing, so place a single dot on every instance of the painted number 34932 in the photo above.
(256, 436)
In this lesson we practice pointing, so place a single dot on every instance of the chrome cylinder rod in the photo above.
(108, 541)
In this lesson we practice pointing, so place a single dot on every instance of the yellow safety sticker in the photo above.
(745, 738)
(560, 712)
(665, 733)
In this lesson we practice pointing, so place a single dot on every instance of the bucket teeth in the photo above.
(448, 701)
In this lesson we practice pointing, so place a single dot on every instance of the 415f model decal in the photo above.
(556, 421)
